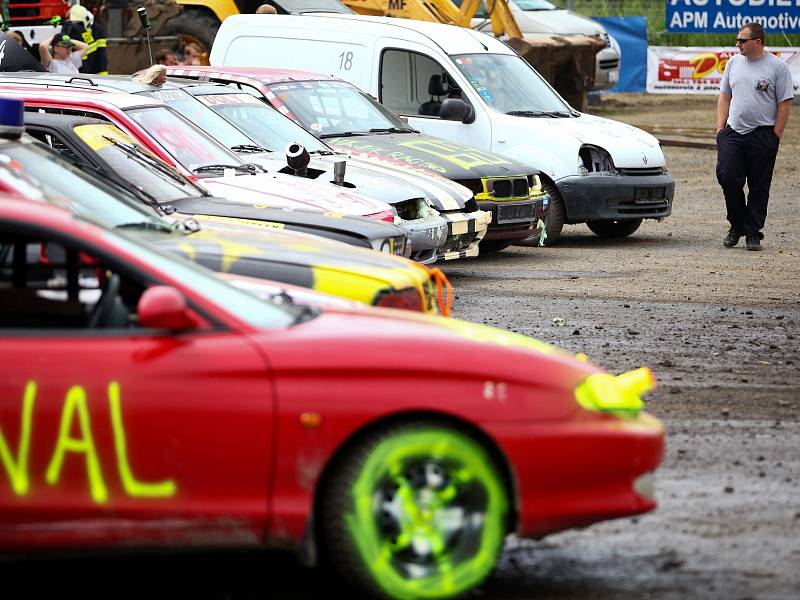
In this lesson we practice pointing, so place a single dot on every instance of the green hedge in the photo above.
(657, 35)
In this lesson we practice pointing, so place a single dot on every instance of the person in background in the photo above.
(80, 25)
(191, 55)
(167, 58)
(266, 9)
(752, 111)
(155, 75)
(61, 54)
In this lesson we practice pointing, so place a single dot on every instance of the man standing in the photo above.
(61, 54)
(752, 112)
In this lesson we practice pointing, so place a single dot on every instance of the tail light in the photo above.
(384, 215)
(405, 299)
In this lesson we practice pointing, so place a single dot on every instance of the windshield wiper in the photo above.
(247, 169)
(554, 114)
(324, 152)
(342, 134)
(145, 225)
(391, 130)
(248, 148)
(135, 154)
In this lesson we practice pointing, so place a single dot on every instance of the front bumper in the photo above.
(464, 232)
(426, 236)
(587, 469)
(514, 220)
(617, 197)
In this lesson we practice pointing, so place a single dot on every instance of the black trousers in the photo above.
(749, 157)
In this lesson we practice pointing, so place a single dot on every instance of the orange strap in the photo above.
(444, 291)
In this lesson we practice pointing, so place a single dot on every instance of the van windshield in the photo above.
(336, 108)
(510, 85)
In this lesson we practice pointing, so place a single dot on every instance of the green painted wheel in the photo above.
(415, 511)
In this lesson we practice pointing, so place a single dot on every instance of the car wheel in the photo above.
(417, 510)
(614, 229)
(554, 218)
(493, 246)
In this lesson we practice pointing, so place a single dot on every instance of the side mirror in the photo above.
(164, 307)
(455, 109)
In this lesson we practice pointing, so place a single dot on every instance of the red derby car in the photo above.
(143, 402)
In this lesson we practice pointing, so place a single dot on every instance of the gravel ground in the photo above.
(720, 329)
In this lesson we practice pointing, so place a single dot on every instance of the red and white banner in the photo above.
(672, 70)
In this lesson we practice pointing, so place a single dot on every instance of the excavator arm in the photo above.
(440, 11)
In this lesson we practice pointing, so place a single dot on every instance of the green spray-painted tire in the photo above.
(417, 510)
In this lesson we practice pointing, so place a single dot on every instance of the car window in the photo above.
(414, 84)
(35, 171)
(507, 83)
(45, 284)
(187, 144)
(265, 125)
(329, 108)
(137, 166)
(199, 114)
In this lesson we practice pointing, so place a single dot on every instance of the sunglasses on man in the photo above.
(744, 40)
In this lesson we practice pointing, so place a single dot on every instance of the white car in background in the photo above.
(540, 18)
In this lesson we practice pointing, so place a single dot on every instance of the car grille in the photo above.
(610, 63)
(650, 171)
(509, 188)
(457, 242)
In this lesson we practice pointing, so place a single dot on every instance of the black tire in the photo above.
(554, 218)
(193, 26)
(614, 229)
(415, 510)
(494, 246)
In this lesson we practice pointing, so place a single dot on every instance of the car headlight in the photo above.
(594, 159)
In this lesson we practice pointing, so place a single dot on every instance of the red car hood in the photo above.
(415, 355)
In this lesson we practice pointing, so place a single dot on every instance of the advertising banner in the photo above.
(672, 70)
(728, 16)
(630, 34)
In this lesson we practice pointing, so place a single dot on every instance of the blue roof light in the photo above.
(12, 118)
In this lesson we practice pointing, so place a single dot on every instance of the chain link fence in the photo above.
(655, 11)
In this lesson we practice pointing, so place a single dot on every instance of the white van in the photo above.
(466, 86)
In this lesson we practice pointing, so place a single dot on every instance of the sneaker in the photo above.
(732, 238)
(753, 241)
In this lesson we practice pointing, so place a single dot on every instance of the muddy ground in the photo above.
(721, 330)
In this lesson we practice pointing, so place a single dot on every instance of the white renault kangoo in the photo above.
(469, 87)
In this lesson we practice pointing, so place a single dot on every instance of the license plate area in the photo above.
(646, 195)
(515, 213)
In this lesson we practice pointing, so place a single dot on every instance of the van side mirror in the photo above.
(164, 307)
(455, 109)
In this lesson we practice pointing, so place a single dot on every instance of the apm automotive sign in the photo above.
(728, 16)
